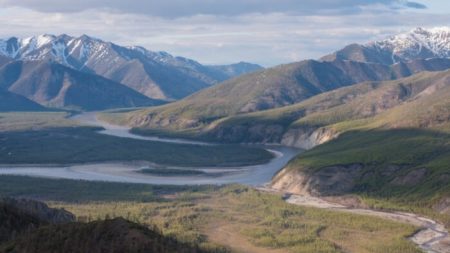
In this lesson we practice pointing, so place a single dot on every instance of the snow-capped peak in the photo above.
(47, 46)
(42, 40)
(16, 48)
(87, 53)
(36, 42)
(418, 43)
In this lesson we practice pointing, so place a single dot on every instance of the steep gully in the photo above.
(432, 238)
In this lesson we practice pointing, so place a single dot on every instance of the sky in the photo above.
(267, 32)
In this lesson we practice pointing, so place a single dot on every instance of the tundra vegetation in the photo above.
(220, 219)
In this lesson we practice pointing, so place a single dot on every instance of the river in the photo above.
(129, 172)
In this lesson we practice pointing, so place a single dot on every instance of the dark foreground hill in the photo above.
(30, 226)
(20, 216)
(115, 236)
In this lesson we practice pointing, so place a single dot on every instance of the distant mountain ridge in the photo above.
(157, 75)
(56, 86)
(419, 43)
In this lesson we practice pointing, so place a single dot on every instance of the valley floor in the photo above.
(237, 218)
(433, 237)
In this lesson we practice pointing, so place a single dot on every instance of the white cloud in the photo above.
(268, 39)
(179, 8)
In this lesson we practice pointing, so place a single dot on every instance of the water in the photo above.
(128, 172)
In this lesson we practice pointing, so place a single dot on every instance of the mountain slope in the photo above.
(417, 44)
(12, 102)
(275, 87)
(418, 101)
(386, 142)
(155, 74)
(54, 85)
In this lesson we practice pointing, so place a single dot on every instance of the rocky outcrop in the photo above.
(18, 216)
(39, 210)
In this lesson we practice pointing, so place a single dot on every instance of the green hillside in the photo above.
(421, 100)
(267, 89)
(392, 148)
(418, 101)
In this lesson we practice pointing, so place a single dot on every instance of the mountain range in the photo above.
(85, 73)
(144, 77)
(295, 82)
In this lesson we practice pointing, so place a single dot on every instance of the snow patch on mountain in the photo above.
(418, 43)
(43, 40)
(59, 52)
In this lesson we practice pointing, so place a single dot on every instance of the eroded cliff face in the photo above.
(258, 133)
(304, 138)
(345, 179)
(333, 180)
(307, 138)
(155, 121)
